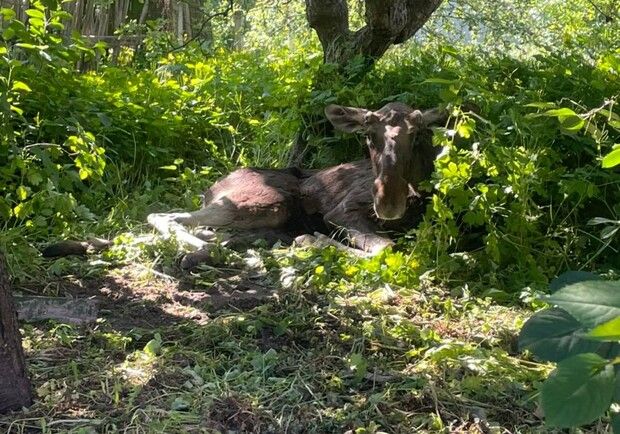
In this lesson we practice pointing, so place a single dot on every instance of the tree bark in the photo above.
(15, 391)
(144, 13)
(388, 22)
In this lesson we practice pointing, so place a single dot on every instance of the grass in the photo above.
(282, 340)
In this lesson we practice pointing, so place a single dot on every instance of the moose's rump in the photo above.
(252, 198)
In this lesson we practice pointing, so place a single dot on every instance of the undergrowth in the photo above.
(419, 338)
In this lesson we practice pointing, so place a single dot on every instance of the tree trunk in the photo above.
(388, 22)
(144, 13)
(15, 389)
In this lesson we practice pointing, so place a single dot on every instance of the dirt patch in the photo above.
(130, 298)
(234, 414)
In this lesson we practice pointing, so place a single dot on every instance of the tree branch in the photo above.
(388, 22)
(203, 25)
(330, 20)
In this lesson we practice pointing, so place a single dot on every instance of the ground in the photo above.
(273, 341)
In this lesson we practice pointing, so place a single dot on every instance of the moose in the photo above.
(355, 201)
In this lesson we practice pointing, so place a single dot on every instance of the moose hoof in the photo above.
(375, 247)
(305, 240)
(193, 259)
(205, 235)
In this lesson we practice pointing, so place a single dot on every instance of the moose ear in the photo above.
(348, 119)
(423, 119)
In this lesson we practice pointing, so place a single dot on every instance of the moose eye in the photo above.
(370, 119)
(373, 141)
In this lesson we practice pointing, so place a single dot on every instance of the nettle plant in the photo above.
(581, 333)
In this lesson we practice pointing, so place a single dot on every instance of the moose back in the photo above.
(354, 200)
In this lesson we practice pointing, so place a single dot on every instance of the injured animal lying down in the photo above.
(355, 201)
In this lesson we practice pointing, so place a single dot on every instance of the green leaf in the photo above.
(36, 23)
(179, 404)
(571, 124)
(440, 81)
(153, 347)
(601, 221)
(609, 115)
(570, 277)
(615, 423)
(22, 193)
(553, 335)
(7, 14)
(20, 85)
(591, 302)
(578, 392)
(27, 46)
(358, 364)
(564, 112)
(609, 331)
(612, 159)
(35, 13)
(609, 232)
(17, 110)
(542, 105)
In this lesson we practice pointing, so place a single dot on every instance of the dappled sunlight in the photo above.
(472, 321)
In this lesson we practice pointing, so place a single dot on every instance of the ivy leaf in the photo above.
(590, 302)
(553, 335)
(578, 392)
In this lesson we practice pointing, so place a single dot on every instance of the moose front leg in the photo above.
(369, 242)
(173, 224)
(360, 231)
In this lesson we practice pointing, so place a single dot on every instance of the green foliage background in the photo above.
(520, 197)
(96, 151)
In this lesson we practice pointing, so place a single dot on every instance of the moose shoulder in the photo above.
(353, 199)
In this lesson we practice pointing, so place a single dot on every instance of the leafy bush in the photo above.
(510, 203)
(581, 335)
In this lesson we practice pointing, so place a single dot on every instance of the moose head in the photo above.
(398, 141)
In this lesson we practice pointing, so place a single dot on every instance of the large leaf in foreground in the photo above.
(590, 302)
(578, 392)
(570, 277)
(553, 335)
(609, 331)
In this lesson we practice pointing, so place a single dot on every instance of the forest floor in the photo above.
(264, 344)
